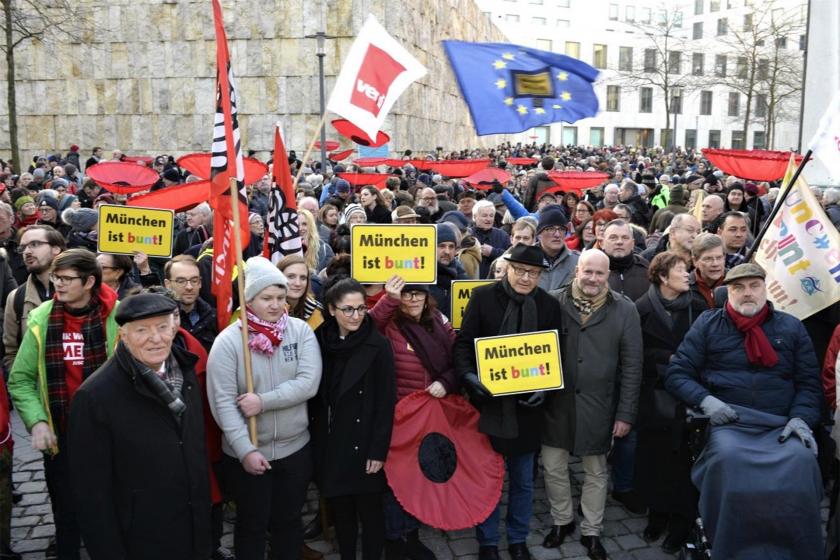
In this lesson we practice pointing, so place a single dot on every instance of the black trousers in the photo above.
(68, 537)
(347, 511)
(271, 502)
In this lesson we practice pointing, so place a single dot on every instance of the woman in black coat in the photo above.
(377, 210)
(352, 416)
(663, 467)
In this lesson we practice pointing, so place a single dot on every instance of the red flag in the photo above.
(282, 236)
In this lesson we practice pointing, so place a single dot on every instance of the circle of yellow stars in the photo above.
(501, 83)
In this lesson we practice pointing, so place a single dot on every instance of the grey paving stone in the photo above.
(26, 521)
(629, 542)
(43, 531)
(30, 545)
(464, 546)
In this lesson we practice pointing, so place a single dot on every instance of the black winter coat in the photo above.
(352, 414)
(141, 476)
(205, 330)
(483, 317)
(379, 215)
(631, 281)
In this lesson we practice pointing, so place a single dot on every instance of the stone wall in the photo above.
(144, 81)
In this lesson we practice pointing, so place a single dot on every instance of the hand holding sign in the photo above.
(394, 286)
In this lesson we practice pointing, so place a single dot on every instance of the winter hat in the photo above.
(104, 198)
(60, 182)
(49, 201)
(425, 179)
(457, 219)
(445, 233)
(259, 275)
(342, 186)
(38, 175)
(401, 212)
(751, 189)
(678, 194)
(171, 174)
(353, 209)
(80, 219)
(23, 200)
(552, 216)
(66, 201)
(70, 170)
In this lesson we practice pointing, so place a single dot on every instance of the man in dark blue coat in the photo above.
(753, 371)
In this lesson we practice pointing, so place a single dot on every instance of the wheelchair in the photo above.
(696, 432)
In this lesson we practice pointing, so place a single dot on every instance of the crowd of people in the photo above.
(140, 402)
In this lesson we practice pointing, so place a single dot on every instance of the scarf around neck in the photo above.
(664, 308)
(585, 305)
(265, 336)
(433, 346)
(521, 312)
(758, 347)
(621, 263)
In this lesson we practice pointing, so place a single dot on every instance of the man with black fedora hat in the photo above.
(139, 462)
(516, 304)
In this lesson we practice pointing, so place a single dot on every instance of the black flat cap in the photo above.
(143, 306)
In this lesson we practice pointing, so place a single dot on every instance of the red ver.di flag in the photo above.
(375, 73)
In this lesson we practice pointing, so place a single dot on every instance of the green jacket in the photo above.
(28, 378)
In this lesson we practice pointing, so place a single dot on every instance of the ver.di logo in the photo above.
(810, 285)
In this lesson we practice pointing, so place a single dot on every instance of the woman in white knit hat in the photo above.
(268, 480)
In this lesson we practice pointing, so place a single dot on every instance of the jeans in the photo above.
(270, 502)
(520, 469)
(623, 461)
(68, 536)
(347, 512)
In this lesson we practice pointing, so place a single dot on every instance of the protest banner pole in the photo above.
(309, 149)
(778, 206)
(243, 316)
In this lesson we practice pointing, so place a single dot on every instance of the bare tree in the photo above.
(33, 20)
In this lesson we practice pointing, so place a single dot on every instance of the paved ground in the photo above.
(32, 521)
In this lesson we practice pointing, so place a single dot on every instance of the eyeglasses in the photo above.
(413, 294)
(552, 230)
(32, 244)
(525, 272)
(61, 279)
(350, 311)
(181, 282)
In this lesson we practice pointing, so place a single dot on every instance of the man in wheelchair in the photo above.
(753, 371)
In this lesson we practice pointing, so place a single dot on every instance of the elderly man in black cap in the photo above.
(560, 260)
(516, 304)
(139, 461)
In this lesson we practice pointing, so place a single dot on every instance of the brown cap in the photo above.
(746, 270)
(401, 212)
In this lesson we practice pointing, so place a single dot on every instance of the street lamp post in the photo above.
(320, 52)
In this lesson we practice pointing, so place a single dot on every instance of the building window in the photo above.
(738, 140)
(803, 42)
(720, 65)
(678, 19)
(538, 20)
(675, 62)
(646, 100)
(714, 5)
(741, 68)
(714, 138)
(570, 136)
(512, 18)
(650, 60)
(698, 7)
(562, 23)
(665, 137)
(599, 56)
(625, 59)
(697, 60)
(630, 14)
(697, 30)
(613, 12)
(706, 102)
(690, 138)
(544, 44)
(676, 101)
(748, 22)
(722, 26)
(761, 105)
(759, 140)
(781, 42)
(596, 136)
(763, 69)
(734, 107)
(646, 15)
(613, 99)
(572, 49)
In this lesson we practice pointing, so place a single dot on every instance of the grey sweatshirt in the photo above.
(284, 381)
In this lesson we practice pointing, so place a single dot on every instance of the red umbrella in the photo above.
(459, 167)
(756, 165)
(359, 136)
(142, 160)
(123, 177)
(362, 179)
(442, 470)
(177, 197)
(328, 145)
(522, 160)
(487, 176)
(338, 156)
(199, 165)
(576, 180)
(371, 161)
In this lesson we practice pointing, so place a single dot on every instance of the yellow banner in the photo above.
(460, 295)
(519, 363)
(379, 251)
(128, 229)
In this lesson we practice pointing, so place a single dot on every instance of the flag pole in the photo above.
(243, 317)
(309, 149)
(778, 206)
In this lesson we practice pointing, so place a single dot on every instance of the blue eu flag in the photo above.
(510, 88)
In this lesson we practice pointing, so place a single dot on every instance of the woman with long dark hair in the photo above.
(376, 209)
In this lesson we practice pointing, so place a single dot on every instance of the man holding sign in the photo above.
(514, 305)
(601, 348)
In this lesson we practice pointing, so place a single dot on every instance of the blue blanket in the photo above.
(759, 499)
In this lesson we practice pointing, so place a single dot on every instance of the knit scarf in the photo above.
(707, 291)
(621, 263)
(663, 308)
(94, 354)
(265, 336)
(309, 307)
(433, 347)
(759, 350)
(586, 305)
(521, 312)
(167, 391)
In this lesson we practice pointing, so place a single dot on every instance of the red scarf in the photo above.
(759, 350)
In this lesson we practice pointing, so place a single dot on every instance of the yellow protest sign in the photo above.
(519, 363)
(377, 252)
(127, 229)
(460, 293)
